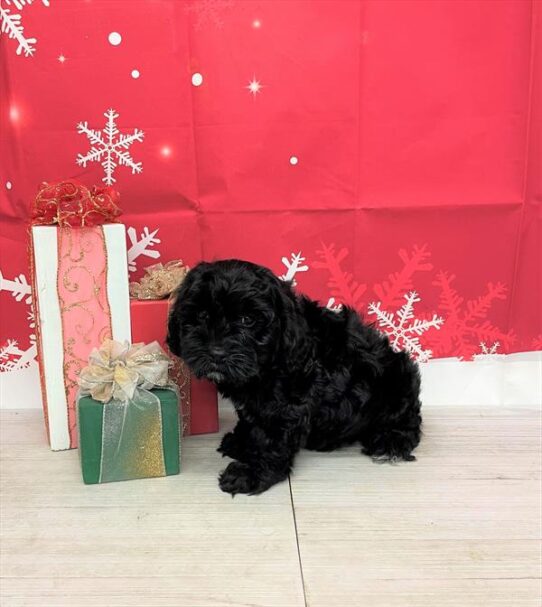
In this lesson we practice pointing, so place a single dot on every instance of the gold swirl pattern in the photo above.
(84, 308)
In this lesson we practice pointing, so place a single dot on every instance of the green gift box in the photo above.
(127, 414)
(122, 441)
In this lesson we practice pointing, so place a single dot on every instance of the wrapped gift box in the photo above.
(122, 441)
(80, 296)
(200, 407)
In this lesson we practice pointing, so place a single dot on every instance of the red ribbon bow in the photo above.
(70, 203)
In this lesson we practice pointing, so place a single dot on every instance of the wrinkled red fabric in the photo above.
(395, 146)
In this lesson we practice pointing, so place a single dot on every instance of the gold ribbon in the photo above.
(116, 370)
(159, 280)
(71, 204)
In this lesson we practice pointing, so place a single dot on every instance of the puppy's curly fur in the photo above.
(298, 374)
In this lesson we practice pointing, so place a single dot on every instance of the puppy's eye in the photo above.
(246, 321)
(203, 315)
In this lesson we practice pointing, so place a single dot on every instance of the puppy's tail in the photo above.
(396, 426)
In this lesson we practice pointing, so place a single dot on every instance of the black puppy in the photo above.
(298, 374)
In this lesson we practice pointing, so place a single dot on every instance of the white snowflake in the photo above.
(12, 358)
(19, 287)
(141, 246)
(331, 305)
(111, 150)
(11, 24)
(402, 330)
(491, 349)
(293, 266)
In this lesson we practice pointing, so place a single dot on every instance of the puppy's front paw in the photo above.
(230, 446)
(238, 478)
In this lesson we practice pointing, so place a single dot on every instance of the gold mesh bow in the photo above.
(159, 280)
(116, 370)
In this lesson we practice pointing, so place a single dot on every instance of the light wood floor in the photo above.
(459, 527)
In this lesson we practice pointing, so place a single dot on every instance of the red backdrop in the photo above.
(396, 146)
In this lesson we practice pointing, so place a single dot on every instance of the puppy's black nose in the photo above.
(217, 351)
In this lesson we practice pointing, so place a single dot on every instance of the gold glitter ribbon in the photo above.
(180, 374)
(122, 376)
(159, 280)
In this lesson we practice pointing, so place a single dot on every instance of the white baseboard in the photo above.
(21, 389)
(491, 380)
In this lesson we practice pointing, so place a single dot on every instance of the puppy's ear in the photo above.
(295, 342)
(173, 339)
(174, 329)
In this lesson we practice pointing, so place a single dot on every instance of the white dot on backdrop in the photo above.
(135, 73)
(293, 160)
(8, 185)
(256, 23)
(197, 79)
(114, 38)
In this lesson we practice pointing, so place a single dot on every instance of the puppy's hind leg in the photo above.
(393, 442)
(393, 429)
